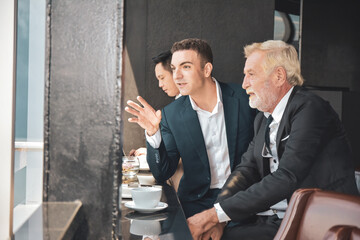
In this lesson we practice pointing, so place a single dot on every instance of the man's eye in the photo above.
(186, 66)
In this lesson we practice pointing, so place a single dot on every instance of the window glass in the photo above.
(29, 109)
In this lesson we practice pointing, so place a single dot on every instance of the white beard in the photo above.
(265, 100)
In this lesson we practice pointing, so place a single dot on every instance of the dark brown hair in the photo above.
(197, 45)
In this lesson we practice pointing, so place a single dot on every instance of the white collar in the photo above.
(218, 96)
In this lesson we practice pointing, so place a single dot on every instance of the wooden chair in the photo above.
(312, 212)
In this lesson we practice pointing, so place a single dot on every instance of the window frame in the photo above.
(7, 95)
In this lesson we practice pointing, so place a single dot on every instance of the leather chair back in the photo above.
(343, 232)
(312, 212)
(355, 234)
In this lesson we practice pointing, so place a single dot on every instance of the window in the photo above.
(29, 109)
(21, 140)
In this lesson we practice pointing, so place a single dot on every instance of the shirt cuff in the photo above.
(221, 214)
(154, 140)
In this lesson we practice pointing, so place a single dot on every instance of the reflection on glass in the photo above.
(29, 109)
(149, 228)
(145, 225)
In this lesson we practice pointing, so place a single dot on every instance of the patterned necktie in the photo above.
(267, 135)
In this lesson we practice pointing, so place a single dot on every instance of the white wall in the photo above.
(6, 119)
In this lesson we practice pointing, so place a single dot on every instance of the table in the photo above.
(169, 223)
(52, 220)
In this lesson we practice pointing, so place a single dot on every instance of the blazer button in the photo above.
(199, 195)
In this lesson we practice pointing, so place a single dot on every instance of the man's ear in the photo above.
(208, 69)
(280, 75)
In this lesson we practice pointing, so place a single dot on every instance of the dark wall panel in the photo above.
(135, 37)
(351, 110)
(330, 50)
(330, 55)
(227, 26)
(83, 109)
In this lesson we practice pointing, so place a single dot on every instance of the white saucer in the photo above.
(159, 207)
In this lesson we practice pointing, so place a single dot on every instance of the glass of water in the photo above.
(130, 165)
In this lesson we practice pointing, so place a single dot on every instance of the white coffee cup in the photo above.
(146, 197)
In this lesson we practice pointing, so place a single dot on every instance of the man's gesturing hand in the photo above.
(145, 116)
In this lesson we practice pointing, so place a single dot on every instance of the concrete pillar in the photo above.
(83, 109)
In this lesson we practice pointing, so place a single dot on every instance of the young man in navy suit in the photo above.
(299, 142)
(163, 73)
(209, 127)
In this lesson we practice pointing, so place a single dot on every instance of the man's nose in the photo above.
(161, 84)
(177, 74)
(245, 83)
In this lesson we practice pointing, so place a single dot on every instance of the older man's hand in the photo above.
(202, 222)
(214, 233)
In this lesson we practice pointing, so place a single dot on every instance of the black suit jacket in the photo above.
(313, 151)
(182, 137)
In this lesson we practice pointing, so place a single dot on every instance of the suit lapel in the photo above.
(191, 126)
(231, 109)
(280, 133)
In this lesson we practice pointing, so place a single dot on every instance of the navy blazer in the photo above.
(313, 151)
(182, 137)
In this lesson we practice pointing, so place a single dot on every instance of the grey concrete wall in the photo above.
(152, 26)
(83, 109)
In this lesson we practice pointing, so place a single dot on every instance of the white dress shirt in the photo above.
(277, 114)
(214, 132)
